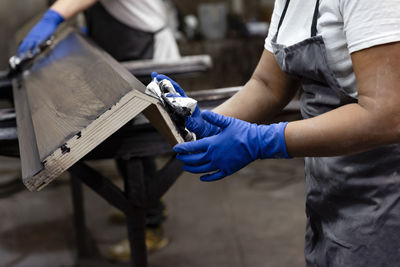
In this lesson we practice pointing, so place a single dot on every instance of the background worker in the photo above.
(346, 57)
(128, 30)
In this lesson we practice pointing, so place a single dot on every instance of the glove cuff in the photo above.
(53, 16)
(272, 141)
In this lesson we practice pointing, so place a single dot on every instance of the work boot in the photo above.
(155, 241)
(116, 217)
(154, 216)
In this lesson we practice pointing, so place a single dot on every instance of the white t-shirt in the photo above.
(145, 15)
(149, 16)
(346, 26)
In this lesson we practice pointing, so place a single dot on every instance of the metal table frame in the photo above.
(129, 147)
(133, 202)
(133, 143)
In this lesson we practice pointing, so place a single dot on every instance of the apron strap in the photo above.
(282, 17)
(314, 21)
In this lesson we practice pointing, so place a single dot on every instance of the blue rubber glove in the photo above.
(195, 123)
(238, 144)
(40, 32)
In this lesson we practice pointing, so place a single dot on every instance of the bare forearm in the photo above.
(372, 122)
(264, 95)
(254, 103)
(348, 129)
(69, 8)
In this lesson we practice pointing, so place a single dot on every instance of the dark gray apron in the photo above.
(119, 40)
(353, 201)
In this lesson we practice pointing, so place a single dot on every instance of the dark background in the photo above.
(234, 56)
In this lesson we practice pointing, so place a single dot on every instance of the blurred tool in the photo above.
(18, 63)
(191, 24)
(213, 20)
(257, 28)
(237, 7)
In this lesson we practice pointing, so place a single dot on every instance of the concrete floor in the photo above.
(254, 218)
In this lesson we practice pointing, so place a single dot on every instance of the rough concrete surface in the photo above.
(254, 218)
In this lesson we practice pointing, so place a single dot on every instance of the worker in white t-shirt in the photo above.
(141, 26)
(345, 55)
(127, 30)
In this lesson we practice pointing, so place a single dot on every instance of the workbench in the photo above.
(74, 103)
(129, 145)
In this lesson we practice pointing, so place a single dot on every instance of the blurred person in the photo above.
(127, 30)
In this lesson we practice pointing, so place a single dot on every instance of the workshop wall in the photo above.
(234, 61)
(235, 56)
(24, 10)
(248, 9)
(13, 14)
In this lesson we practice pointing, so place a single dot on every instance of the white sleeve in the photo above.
(276, 16)
(368, 23)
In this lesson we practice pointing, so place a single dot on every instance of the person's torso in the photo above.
(145, 15)
(353, 201)
(330, 27)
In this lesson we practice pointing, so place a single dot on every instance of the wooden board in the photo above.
(72, 98)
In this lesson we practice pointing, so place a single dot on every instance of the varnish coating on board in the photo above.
(71, 87)
(74, 97)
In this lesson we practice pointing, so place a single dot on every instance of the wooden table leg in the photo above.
(84, 244)
(133, 174)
